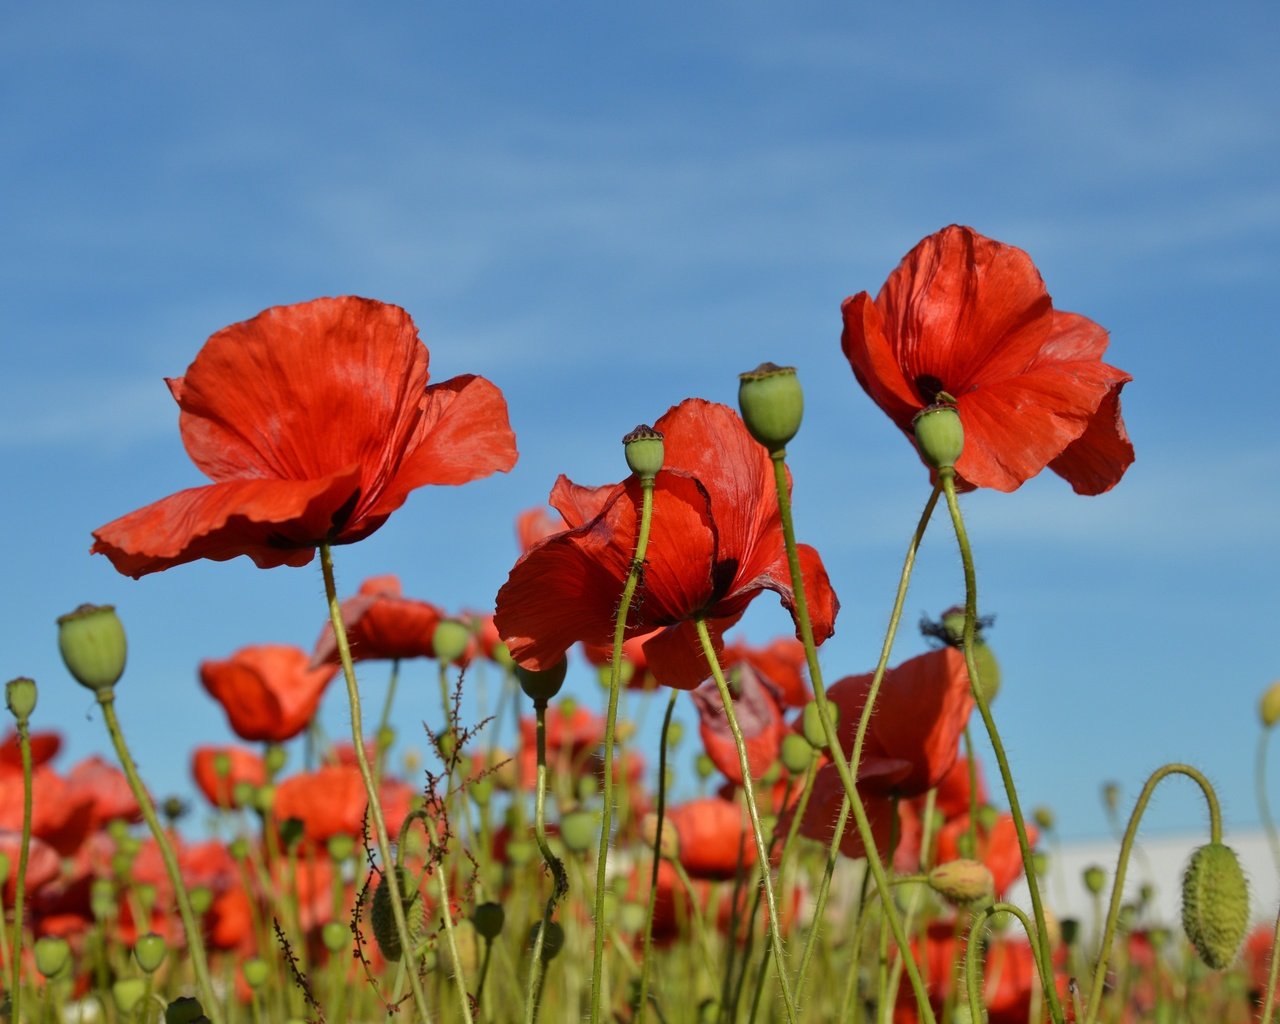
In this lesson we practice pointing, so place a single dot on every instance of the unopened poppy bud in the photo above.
(1215, 904)
(201, 899)
(540, 685)
(53, 954)
(102, 899)
(1095, 878)
(987, 817)
(811, 722)
(631, 917)
(520, 852)
(489, 919)
(964, 883)
(675, 733)
(797, 754)
(670, 848)
(481, 790)
(704, 766)
(772, 404)
(93, 646)
(450, 640)
(275, 759)
(150, 951)
(1070, 927)
(1111, 795)
(184, 1010)
(1043, 817)
(383, 917)
(341, 846)
(552, 942)
(386, 737)
(20, 695)
(644, 451)
(335, 935)
(579, 830)
(1269, 708)
(127, 993)
(939, 435)
(502, 655)
(256, 972)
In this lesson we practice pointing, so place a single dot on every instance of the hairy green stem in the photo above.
(1273, 974)
(370, 786)
(20, 882)
(1264, 804)
(611, 721)
(643, 1002)
(560, 880)
(971, 957)
(1040, 942)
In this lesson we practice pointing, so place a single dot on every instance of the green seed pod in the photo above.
(481, 790)
(1269, 707)
(963, 883)
(811, 724)
(540, 685)
(520, 852)
(383, 918)
(502, 655)
(579, 830)
(1215, 904)
(450, 640)
(336, 936)
(53, 955)
(1095, 878)
(256, 972)
(128, 993)
(644, 451)
(201, 899)
(552, 943)
(93, 646)
(1070, 927)
(102, 899)
(341, 847)
(797, 754)
(939, 435)
(704, 766)
(184, 1010)
(20, 695)
(631, 918)
(772, 404)
(1043, 817)
(489, 919)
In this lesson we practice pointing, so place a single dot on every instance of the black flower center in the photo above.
(929, 387)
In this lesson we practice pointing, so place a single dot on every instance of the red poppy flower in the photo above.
(574, 733)
(108, 790)
(314, 421)
(535, 524)
(997, 847)
(781, 662)
(242, 765)
(716, 542)
(969, 316)
(60, 815)
(44, 748)
(43, 864)
(269, 692)
(716, 841)
(759, 714)
(382, 623)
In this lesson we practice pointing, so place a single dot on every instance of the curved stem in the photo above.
(195, 943)
(370, 786)
(1126, 848)
(1264, 804)
(20, 882)
(642, 1004)
(842, 764)
(610, 727)
(970, 959)
(560, 880)
(1273, 973)
(1040, 942)
(446, 913)
(762, 853)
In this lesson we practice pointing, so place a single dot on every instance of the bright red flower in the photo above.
(759, 713)
(314, 421)
(716, 840)
(969, 316)
(716, 542)
(243, 765)
(382, 623)
(332, 801)
(44, 748)
(269, 692)
(108, 790)
(43, 864)
(535, 524)
(781, 662)
(635, 666)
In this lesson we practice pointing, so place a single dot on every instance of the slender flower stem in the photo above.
(610, 727)
(643, 1003)
(1273, 974)
(842, 764)
(762, 852)
(972, 955)
(1040, 943)
(560, 880)
(384, 720)
(1126, 848)
(370, 786)
(446, 912)
(20, 882)
(1264, 804)
(195, 944)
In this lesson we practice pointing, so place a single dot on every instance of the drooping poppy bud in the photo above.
(797, 754)
(939, 435)
(772, 404)
(383, 917)
(1215, 904)
(964, 883)
(150, 951)
(552, 943)
(127, 993)
(644, 451)
(541, 686)
(1269, 707)
(450, 640)
(1095, 878)
(93, 645)
(489, 919)
(53, 953)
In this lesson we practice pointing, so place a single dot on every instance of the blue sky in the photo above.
(606, 210)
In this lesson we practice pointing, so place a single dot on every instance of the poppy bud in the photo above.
(520, 852)
(1043, 817)
(341, 847)
(450, 640)
(1095, 879)
(150, 951)
(53, 954)
(335, 936)
(630, 918)
(20, 695)
(502, 655)
(1269, 708)
(93, 646)
(489, 919)
(184, 1010)
(1070, 927)
(964, 883)
(1215, 904)
(704, 766)
(275, 759)
(797, 754)
(772, 404)
(579, 830)
(644, 451)
(552, 943)
(201, 899)
(939, 435)
(383, 917)
(541, 685)
(127, 994)
(1111, 795)
(675, 733)
(670, 848)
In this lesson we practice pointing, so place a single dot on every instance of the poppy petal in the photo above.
(274, 522)
(874, 363)
(1096, 460)
(578, 504)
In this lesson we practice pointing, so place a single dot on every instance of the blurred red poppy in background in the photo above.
(997, 847)
(780, 662)
(314, 421)
(715, 837)
(242, 766)
(969, 317)
(716, 542)
(382, 623)
(759, 713)
(44, 748)
(269, 692)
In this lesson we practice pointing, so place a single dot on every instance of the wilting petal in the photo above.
(578, 504)
(1095, 461)
(759, 716)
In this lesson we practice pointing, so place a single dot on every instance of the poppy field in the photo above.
(829, 846)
